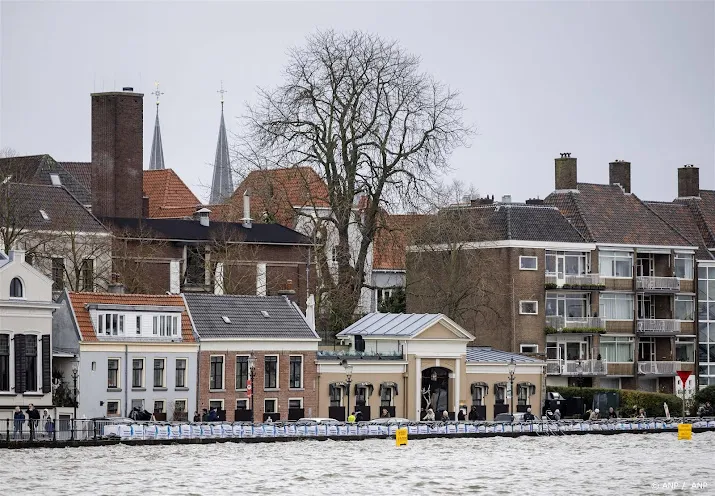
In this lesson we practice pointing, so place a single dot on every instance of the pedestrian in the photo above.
(445, 416)
(528, 416)
(641, 413)
(461, 417)
(351, 418)
(205, 416)
(557, 414)
(385, 413)
(594, 415)
(612, 413)
(48, 423)
(473, 413)
(19, 419)
(197, 416)
(429, 416)
(213, 415)
(33, 417)
(358, 416)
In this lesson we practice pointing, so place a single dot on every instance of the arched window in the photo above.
(16, 288)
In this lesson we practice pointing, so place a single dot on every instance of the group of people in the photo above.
(357, 416)
(33, 419)
(207, 415)
(595, 414)
(706, 410)
(462, 415)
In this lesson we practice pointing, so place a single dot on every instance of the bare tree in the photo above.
(361, 113)
(136, 252)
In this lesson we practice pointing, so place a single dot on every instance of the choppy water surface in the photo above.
(594, 464)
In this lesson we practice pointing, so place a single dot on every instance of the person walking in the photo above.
(48, 423)
(33, 417)
(351, 418)
(19, 419)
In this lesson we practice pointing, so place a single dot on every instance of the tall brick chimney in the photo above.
(117, 153)
(566, 172)
(619, 172)
(688, 181)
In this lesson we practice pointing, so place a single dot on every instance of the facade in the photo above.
(406, 363)
(268, 329)
(130, 351)
(26, 308)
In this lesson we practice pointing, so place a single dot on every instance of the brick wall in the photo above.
(309, 392)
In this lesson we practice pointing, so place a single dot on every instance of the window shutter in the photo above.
(46, 364)
(20, 363)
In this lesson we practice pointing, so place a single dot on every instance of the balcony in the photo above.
(658, 327)
(582, 282)
(657, 284)
(659, 368)
(578, 325)
(589, 368)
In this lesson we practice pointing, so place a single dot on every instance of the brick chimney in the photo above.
(688, 181)
(117, 153)
(565, 172)
(619, 172)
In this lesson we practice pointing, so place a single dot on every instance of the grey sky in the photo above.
(604, 81)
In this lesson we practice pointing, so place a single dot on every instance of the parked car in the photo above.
(390, 420)
(317, 420)
(515, 418)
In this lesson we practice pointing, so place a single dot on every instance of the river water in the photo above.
(582, 465)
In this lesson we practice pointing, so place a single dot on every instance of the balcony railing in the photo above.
(659, 327)
(576, 281)
(571, 367)
(649, 283)
(659, 368)
(575, 324)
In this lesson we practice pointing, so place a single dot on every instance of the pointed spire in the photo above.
(156, 161)
(222, 184)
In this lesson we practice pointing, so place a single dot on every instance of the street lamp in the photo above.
(252, 373)
(579, 373)
(75, 374)
(349, 377)
(512, 370)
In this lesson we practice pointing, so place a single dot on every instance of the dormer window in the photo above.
(264, 313)
(110, 324)
(44, 214)
(55, 178)
(16, 289)
(166, 325)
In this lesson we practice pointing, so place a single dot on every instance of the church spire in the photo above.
(157, 150)
(222, 184)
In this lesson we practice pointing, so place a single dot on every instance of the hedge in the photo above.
(704, 395)
(631, 400)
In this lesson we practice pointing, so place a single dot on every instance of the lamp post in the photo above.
(75, 374)
(349, 380)
(249, 387)
(579, 373)
(512, 370)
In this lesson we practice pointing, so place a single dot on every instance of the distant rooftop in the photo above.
(486, 354)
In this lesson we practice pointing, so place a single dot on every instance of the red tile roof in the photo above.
(392, 240)
(169, 197)
(79, 302)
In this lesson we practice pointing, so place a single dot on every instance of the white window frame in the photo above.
(163, 373)
(688, 257)
(119, 408)
(521, 307)
(602, 314)
(535, 346)
(186, 372)
(119, 372)
(683, 297)
(103, 330)
(153, 405)
(138, 328)
(264, 405)
(302, 373)
(223, 372)
(367, 395)
(213, 400)
(295, 399)
(143, 377)
(612, 255)
(278, 375)
(166, 325)
(23, 296)
(244, 400)
(523, 257)
(619, 340)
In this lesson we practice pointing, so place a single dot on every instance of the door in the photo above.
(560, 270)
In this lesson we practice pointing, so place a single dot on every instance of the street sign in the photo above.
(401, 437)
(685, 431)
(684, 374)
(249, 388)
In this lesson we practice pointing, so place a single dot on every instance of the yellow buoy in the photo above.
(401, 437)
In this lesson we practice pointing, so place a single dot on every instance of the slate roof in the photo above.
(284, 320)
(192, 230)
(391, 324)
(81, 171)
(486, 354)
(36, 169)
(606, 214)
(64, 211)
(79, 302)
(680, 218)
(703, 211)
(169, 197)
(392, 239)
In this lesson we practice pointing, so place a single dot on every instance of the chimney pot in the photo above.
(619, 172)
(247, 221)
(127, 88)
(506, 199)
(566, 172)
(688, 182)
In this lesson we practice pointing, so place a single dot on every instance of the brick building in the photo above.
(271, 330)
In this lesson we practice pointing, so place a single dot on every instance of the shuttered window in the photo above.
(20, 360)
(46, 364)
(4, 362)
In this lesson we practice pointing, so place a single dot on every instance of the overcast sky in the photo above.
(602, 80)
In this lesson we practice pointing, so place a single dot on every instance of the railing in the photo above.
(576, 280)
(571, 367)
(651, 283)
(658, 368)
(589, 324)
(658, 326)
(358, 355)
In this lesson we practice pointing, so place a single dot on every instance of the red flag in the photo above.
(249, 387)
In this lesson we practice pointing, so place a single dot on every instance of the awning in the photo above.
(482, 385)
(500, 384)
(337, 385)
(368, 385)
(388, 385)
(532, 387)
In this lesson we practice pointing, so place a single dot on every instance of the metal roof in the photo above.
(487, 354)
(391, 324)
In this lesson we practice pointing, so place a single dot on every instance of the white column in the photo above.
(174, 277)
(218, 279)
(457, 385)
(261, 279)
(418, 387)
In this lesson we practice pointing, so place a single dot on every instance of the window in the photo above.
(560, 263)
(217, 404)
(112, 408)
(16, 288)
(683, 266)
(137, 403)
(180, 373)
(616, 349)
(4, 362)
(646, 350)
(616, 306)
(361, 396)
(139, 324)
(31, 363)
(195, 269)
(528, 348)
(110, 324)
(55, 179)
(386, 396)
(528, 263)
(571, 306)
(159, 365)
(113, 373)
(296, 372)
(241, 372)
(180, 406)
(88, 274)
(269, 406)
(336, 395)
(165, 325)
(615, 263)
(522, 393)
(138, 373)
(216, 372)
(684, 350)
(684, 307)
(158, 406)
(477, 395)
(383, 294)
(271, 375)
(242, 404)
(58, 274)
(499, 394)
(44, 215)
(295, 403)
(528, 307)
